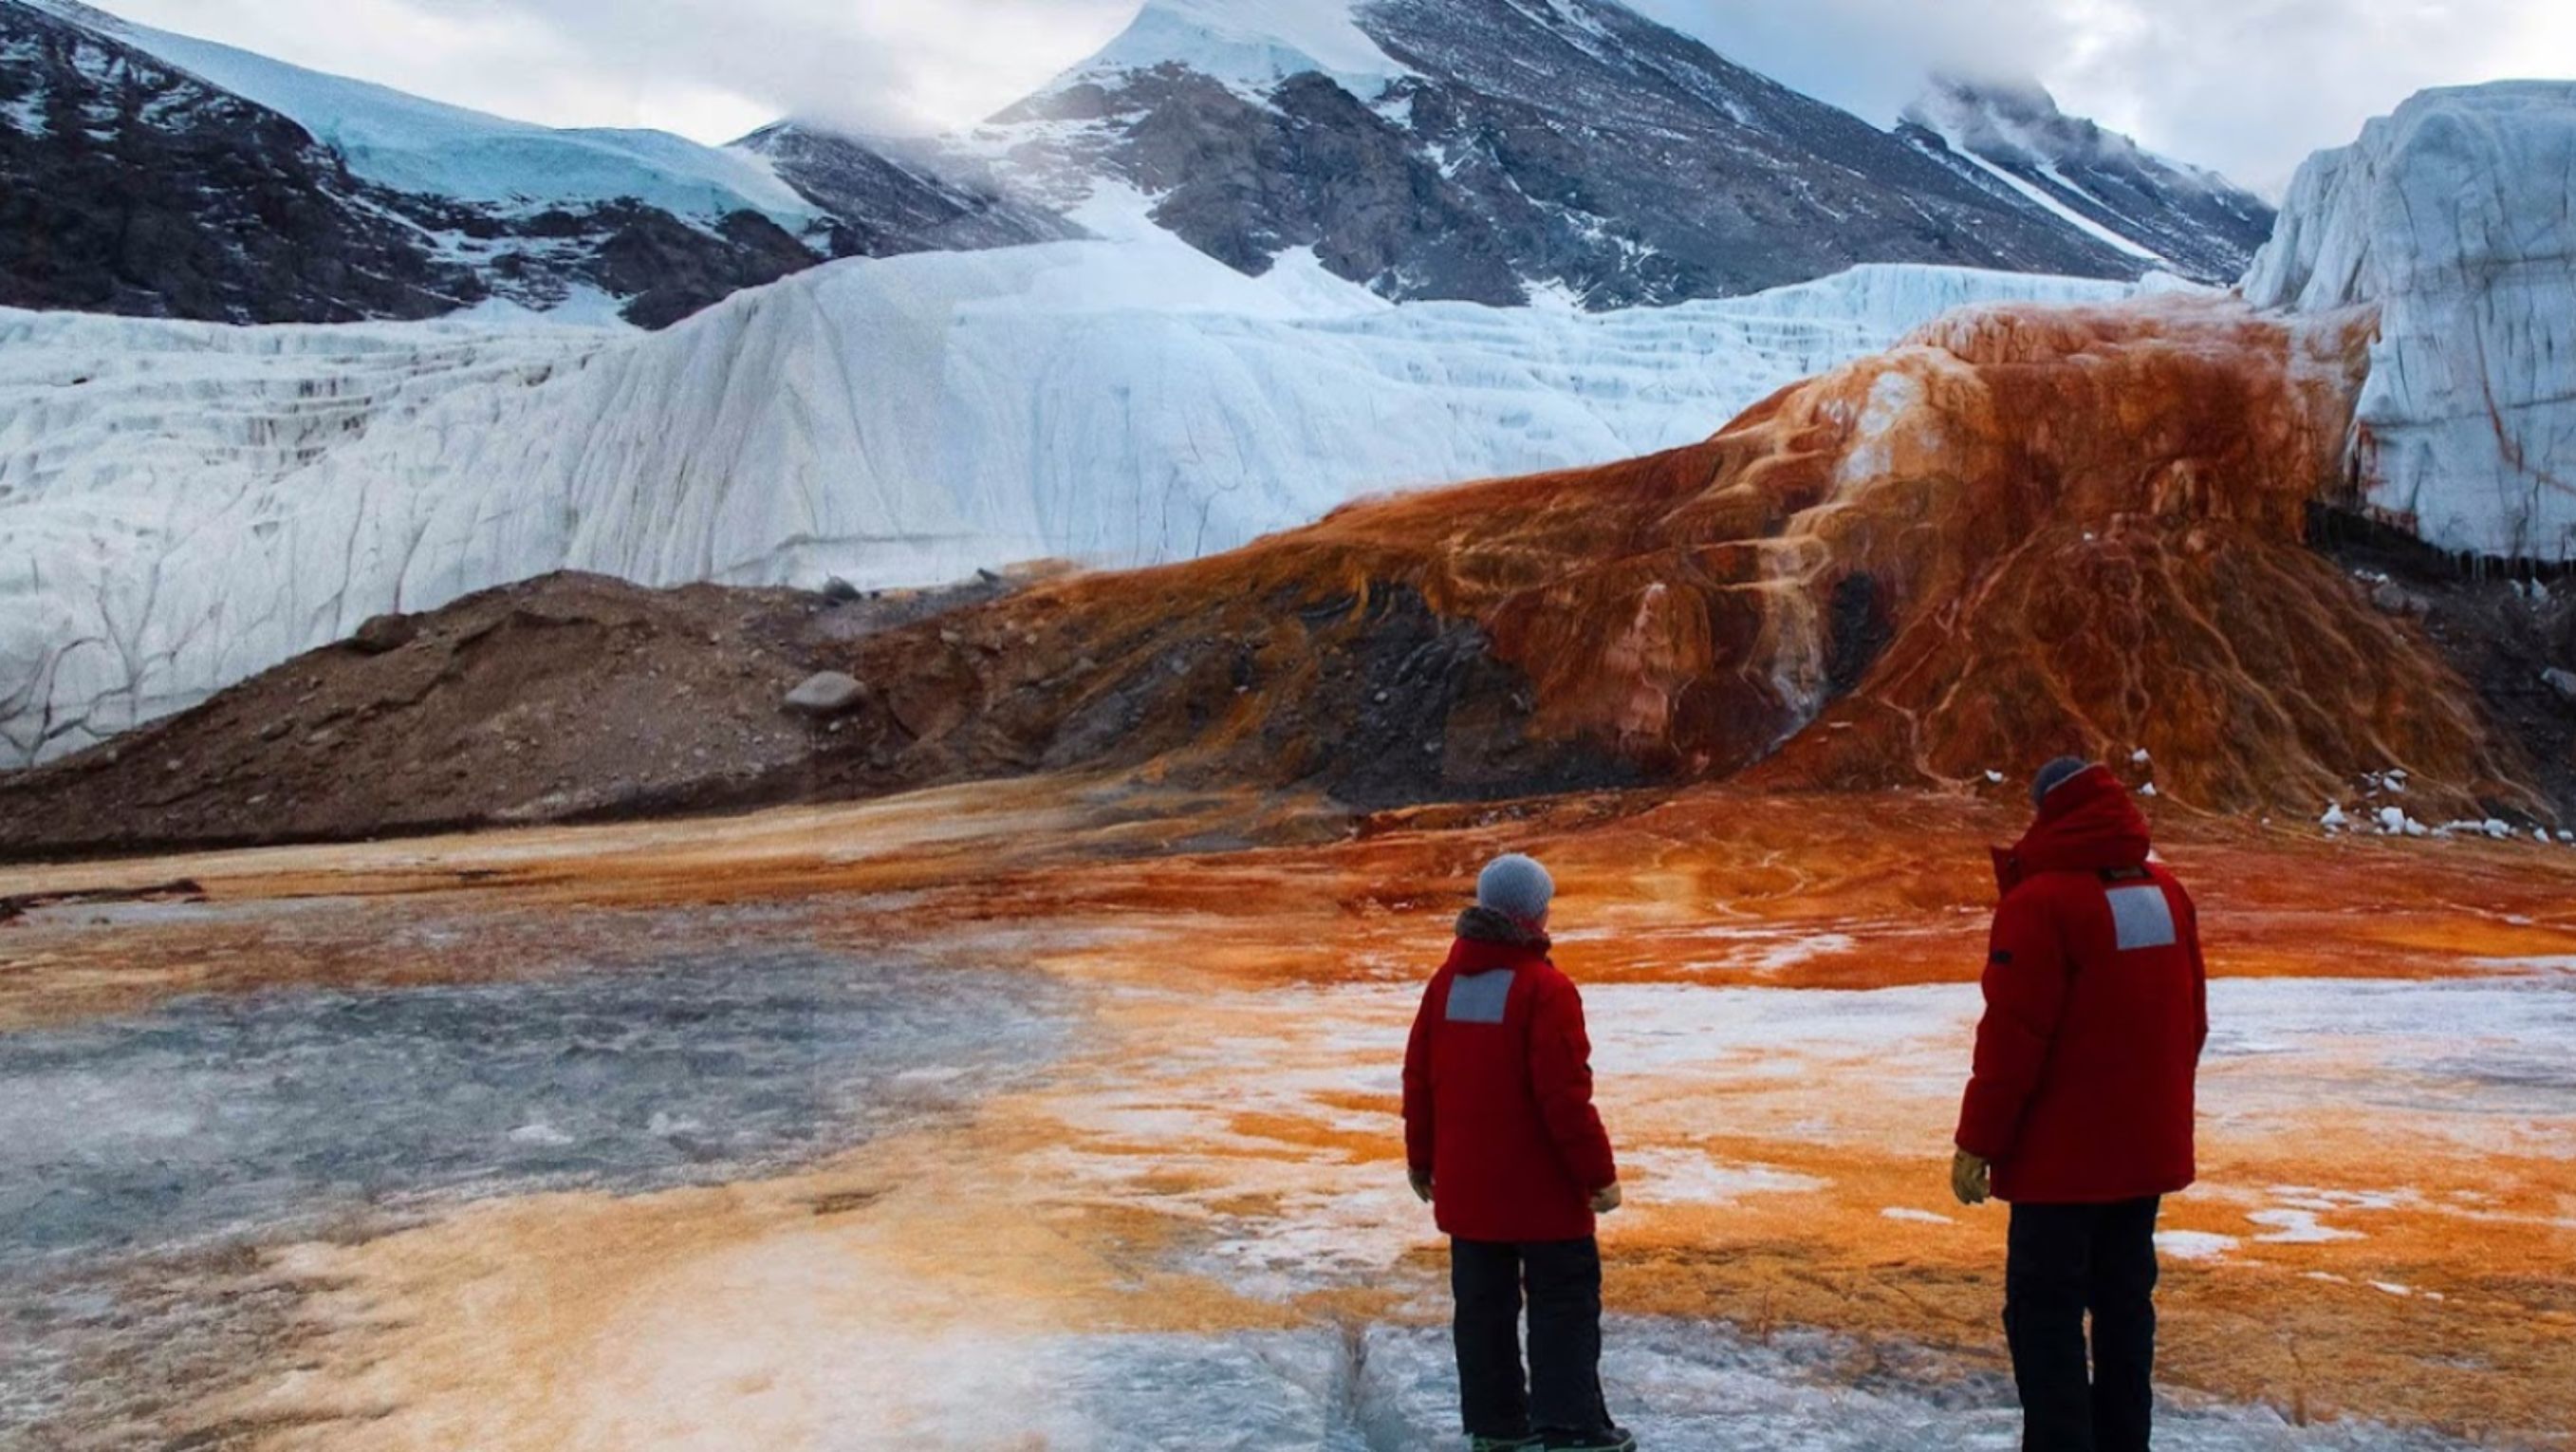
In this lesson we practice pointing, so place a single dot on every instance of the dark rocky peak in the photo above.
(1489, 150)
(129, 185)
(2187, 218)
(893, 195)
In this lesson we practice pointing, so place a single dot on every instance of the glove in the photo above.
(1606, 1199)
(1421, 1185)
(1971, 1178)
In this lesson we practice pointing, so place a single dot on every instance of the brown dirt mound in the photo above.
(563, 697)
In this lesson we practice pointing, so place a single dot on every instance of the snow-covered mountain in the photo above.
(155, 171)
(333, 199)
(1500, 150)
(2455, 218)
(182, 505)
(129, 186)
(2185, 219)
(410, 144)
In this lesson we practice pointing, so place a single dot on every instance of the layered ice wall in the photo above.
(2456, 218)
(182, 506)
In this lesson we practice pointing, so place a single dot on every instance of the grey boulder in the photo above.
(827, 693)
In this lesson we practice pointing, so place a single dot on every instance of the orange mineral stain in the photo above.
(1777, 983)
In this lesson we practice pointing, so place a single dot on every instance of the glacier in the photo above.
(184, 505)
(2456, 218)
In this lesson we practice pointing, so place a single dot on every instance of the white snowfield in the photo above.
(2456, 217)
(183, 505)
(415, 145)
(1249, 44)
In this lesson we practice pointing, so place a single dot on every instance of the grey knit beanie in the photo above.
(2054, 775)
(1515, 886)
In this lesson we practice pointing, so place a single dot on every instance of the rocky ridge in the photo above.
(1489, 151)
(129, 186)
(2187, 219)
(1478, 150)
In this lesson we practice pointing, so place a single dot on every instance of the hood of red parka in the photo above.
(2088, 824)
(1488, 940)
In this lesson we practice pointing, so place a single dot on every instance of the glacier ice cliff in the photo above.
(184, 505)
(2456, 218)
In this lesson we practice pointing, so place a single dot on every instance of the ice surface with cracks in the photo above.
(182, 506)
(253, 1115)
(1354, 1384)
(2456, 218)
(1682, 1386)
(258, 1119)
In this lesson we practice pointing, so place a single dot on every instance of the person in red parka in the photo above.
(1501, 1138)
(2079, 1111)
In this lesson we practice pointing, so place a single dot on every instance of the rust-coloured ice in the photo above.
(2028, 531)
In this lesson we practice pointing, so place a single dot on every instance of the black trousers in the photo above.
(2066, 1260)
(1563, 1390)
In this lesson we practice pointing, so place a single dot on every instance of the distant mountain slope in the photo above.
(883, 204)
(204, 182)
(411, 144)
(2193, 222)
(129, 186)
(140, 185)
(1497, 150)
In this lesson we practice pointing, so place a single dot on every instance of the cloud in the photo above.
(2247, 86)
(707, 68)
(881, 64)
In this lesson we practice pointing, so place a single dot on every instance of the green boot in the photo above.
(1504, 1444)
(1608, 1439)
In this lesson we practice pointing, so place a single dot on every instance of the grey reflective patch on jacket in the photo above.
(2143, 917)
(1479, 998)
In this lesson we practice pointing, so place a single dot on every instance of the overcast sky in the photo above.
(2247, 86)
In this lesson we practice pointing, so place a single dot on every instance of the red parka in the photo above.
(1498, 1096)
(2096, 1011)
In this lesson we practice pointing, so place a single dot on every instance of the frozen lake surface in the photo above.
(220, 1121)
(284, 1109)
(1681, 1386)
(139, 1154)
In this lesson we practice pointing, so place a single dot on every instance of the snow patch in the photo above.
(2047, 201)
(2195, 1244)
(2298, 1227)
(1251, 45)
(584, 306)
(1690, 1177)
